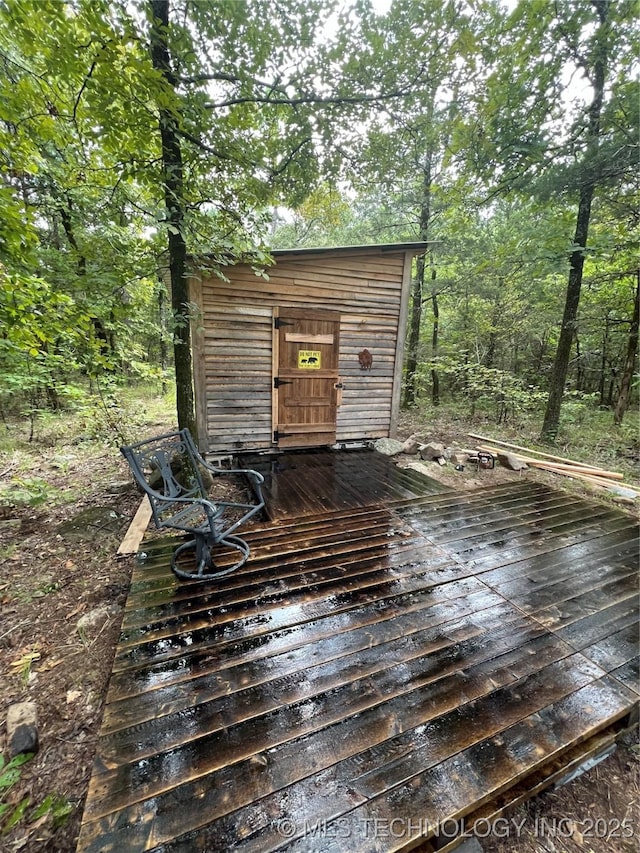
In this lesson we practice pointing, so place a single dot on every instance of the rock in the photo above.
(411, 445)
(508, 460)
(182, 477)
(22, 728)
(388, 446)
(431, 451)
(420, 468)
(96, 618)
(119, 487)
(622, 492)
(81, 439)
(207, 478)
(61, 462)
(459, 458)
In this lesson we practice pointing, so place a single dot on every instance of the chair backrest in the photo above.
(166, 467)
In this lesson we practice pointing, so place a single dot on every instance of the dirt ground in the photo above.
(52, 578)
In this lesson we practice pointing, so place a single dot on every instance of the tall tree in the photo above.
(595, 64)
(630, 358)
(194, 116)
(174, 200)
(407, 143)
(538, 133)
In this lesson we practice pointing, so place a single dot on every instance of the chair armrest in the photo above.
(218, 471)
(255, 475)
(208, 506)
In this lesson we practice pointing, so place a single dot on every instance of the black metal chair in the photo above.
(169, 469)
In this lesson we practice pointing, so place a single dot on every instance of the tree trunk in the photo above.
(576, 263)
(173, 180)
(415, 319)
(435, 379)
(569, 319)
(164, 353)
(632, 349)
(579, 367)
(612, 388)
(603, 360)
(410, 394)
(496, 314)
(541, 355)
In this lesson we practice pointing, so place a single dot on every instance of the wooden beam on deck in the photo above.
(136, 530)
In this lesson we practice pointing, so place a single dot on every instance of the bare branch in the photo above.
(206, 148)
(311, 98)
(76, 103)
(285, 164)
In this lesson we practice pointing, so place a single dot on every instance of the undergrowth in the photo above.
(586, 434)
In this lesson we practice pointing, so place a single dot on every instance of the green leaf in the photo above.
(16, 815)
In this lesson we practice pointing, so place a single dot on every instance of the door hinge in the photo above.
(277, 382)
(277, 435)
(278, 323)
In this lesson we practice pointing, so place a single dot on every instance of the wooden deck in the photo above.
(374, 670)
(314, 482)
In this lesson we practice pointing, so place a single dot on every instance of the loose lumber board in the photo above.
(550, 456)
(136, 530)
(559, 467)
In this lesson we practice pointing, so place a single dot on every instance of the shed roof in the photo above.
(415, 247)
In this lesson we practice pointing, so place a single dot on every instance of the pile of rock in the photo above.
(435, 451)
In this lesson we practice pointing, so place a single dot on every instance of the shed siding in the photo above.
(365, 288)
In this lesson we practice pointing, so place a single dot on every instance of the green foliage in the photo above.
(459, 122)
(10, 773)
(57, 807)
(54, 806)
(111, 414)
(42, 331)
(27, 491)
(486, 388)
(576, 408)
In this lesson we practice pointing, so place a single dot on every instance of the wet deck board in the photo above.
(408, 659)
(308, 483)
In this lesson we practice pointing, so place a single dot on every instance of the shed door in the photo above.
(305, 383)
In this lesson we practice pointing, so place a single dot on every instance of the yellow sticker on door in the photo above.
(309, 359)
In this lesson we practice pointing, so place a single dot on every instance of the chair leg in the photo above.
(204, 560)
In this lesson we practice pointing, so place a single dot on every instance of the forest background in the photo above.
(134, 133)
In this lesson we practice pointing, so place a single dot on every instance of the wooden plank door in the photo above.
(306, 377)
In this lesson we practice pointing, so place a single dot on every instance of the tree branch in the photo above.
(402, 92)
(285, 165)
(207, 148)
(76, 103)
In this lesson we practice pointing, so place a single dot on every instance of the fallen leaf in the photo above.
(49, 664)
(575, 832)
(25, 660)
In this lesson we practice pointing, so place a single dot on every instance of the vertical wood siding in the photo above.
(235, 385)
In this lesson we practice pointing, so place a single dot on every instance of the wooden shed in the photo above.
(309, 354)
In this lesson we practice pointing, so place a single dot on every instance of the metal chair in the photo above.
(169, 469)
